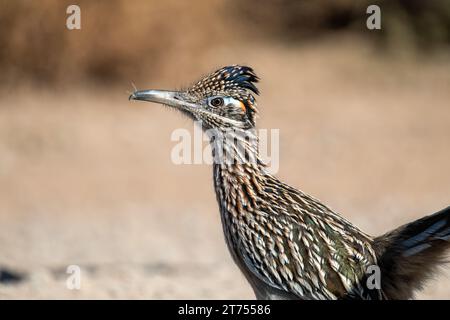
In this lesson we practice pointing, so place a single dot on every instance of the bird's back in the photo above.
(287, 242)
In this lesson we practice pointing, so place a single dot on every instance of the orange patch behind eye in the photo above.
(242, 106)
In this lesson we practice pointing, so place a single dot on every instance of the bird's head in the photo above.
(222, 100)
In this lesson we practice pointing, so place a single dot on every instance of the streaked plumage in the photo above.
(288, 244)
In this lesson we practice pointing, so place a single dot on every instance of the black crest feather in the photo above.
(243, 76)
(234, 79)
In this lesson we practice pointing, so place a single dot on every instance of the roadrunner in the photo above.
(286, 243)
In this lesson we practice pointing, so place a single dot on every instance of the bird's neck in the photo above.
(234, 149)
(239, 174)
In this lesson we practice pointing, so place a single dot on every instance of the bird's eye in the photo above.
(216, 102)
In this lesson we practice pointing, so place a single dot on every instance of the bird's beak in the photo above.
(170, 98)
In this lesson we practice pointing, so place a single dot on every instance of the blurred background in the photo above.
(86, 177)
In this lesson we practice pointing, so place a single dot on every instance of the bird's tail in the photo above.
(410, 254)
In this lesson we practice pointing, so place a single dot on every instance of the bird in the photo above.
(288, 244)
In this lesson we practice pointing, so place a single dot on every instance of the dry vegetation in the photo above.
(120, 42)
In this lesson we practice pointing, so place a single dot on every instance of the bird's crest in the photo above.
(227, 79)
(235, 81)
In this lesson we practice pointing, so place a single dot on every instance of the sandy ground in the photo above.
(86, 177)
